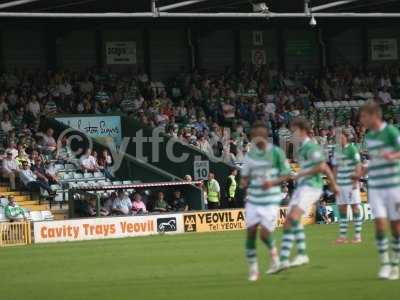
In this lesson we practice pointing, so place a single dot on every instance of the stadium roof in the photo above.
(162, 8)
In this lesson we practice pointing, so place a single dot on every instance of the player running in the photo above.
(308, 191)
(383, 146)
(265, 167)
(347, 162)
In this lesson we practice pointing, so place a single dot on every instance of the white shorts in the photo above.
(304, 197)
(385, 203)
(266, 216)
(348, 196)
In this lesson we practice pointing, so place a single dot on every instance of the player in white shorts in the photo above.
(308, 192)
(383, 146)
(347, 162)
(264, 169)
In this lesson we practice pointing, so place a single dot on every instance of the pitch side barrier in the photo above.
(153, 224)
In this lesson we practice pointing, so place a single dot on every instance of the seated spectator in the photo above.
(48, 143)
(13, 211)
(138, 206)
(50, 172)
(10, 169)
(6, 124)
(323, 215)
(22, 157)
(178, 202)
(106, 208)
(160, 205)
(30, 180)
(88, 162)
(105, 163)
(122, 205)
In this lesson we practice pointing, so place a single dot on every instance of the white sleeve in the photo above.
(245, 171)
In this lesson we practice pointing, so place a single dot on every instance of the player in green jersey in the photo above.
(307, 193)
(383, 147)
(347, 162)
(264, 168)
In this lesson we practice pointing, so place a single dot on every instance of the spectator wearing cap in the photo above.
(138, 206)
(13, 211)
(10, 169)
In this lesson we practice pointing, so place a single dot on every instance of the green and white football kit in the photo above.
(346, 161)
(262, 206)
(309, 188)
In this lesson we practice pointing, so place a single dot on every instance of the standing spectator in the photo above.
(231, 187)
(13, 211)
(213, 192)
(138, 206)
(10, 169)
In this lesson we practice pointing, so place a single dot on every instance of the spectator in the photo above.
(105, 163)
(322, 213)
(231, 187)
(106, 208)
(88, 162)
(138, 206)
(30, 181)
(10, 169)
(178, 202)
(13, 211)
(160, 205)
(48, 144)
(122, 205)
(213, 192)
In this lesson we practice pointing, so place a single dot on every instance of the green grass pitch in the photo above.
(190, 266)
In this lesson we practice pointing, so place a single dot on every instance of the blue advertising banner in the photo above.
(104, 127)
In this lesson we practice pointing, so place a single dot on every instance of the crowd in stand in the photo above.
(123, 203)
(209, 111)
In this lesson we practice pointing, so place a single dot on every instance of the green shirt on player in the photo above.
(382, 173)
(310, 155)
(346, 160)
(260, 166)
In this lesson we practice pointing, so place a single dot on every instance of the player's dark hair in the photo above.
(372, 108)
(302, 124)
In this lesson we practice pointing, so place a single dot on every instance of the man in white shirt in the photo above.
(385, 96)
(122, 205)
(88, 162)
(33, 107)
(30, 181)
(10, 169)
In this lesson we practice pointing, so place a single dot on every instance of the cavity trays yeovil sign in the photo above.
(104, 228)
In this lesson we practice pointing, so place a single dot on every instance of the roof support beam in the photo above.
(195, 15)
(332, 4)
(180, 4)
(16, 3)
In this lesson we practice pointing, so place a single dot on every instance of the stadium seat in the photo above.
(35, 216)
(88, 175)
(69, 167)
(98, 175)
(78, 175)
(117, 182)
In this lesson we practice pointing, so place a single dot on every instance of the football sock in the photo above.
(300, 237)
(269, 241)
(287, 243)
(383, 248)
(357, 224)
(251, 254)
(396, 251)
(343, 224)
